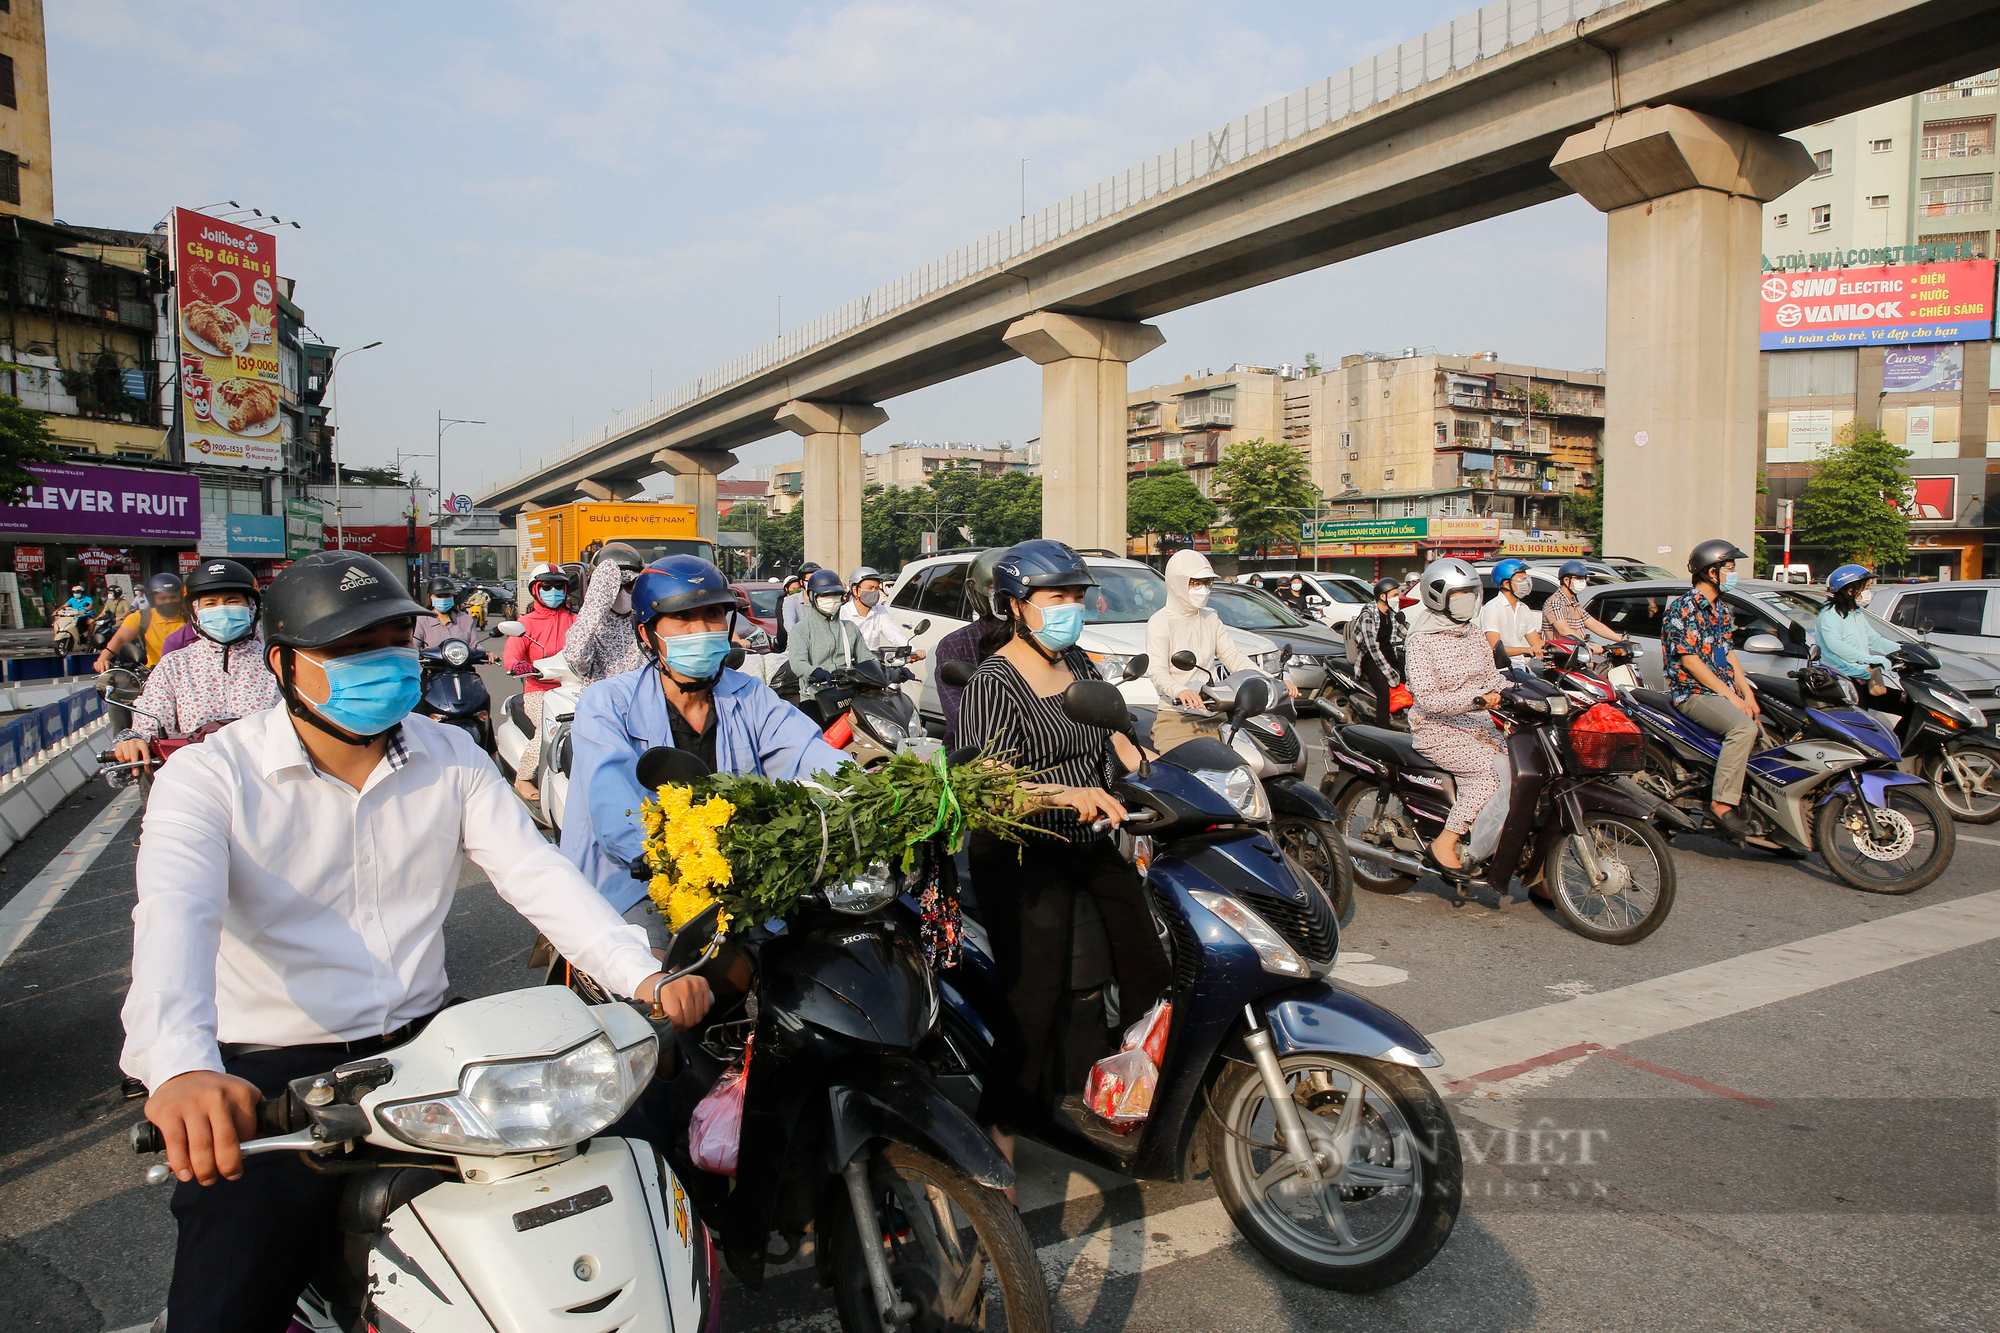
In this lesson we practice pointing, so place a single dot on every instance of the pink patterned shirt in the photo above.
(189, 688)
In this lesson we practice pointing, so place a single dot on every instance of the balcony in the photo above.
(1476, 402)
(1206, 412)
(1578, 405)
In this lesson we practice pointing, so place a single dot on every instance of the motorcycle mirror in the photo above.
(921, 627)
(964, 754)
(1136, 667)
(694, 943)
(665, 766)
(118, 686)
(1253, 696)
(734, 658)
(1763, 643)
(1097, 703)
(955, 674)
(1182, 661)
(1924, 627)
(513, 629)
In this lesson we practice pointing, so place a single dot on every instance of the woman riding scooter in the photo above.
(545, 627)
(1451, 675)
(1847, 642)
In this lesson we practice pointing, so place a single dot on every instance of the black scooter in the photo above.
(453, 691)
(1576, 831)
(1946, 739)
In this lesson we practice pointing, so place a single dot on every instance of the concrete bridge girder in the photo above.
(1683, 194)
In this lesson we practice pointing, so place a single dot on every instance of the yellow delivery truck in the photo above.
(563, 533)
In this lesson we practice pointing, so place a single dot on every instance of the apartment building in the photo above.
(1916, 171)
(914, 464)
(1192, 422)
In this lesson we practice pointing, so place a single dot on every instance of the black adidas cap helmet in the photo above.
(329, 595)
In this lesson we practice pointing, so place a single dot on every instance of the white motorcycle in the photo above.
(513, 730)
(479, 1199)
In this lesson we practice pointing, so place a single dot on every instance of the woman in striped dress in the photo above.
(1013, 705)
(1449, 669)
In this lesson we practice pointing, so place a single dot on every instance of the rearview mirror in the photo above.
(955, 673)
(1097, 703)
(665, 766)
(1763, 643)
(513, 629)
(694, 942)
(1136, 666)
(1182, 661)
(1924, 627)
(1253, 696)
(922, 626)
(733, 659)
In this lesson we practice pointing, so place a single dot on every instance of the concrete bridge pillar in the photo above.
(695, 472)
(1682, 441)
(1083, 420)
(832, 485)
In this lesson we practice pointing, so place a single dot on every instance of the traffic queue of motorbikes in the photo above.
(484, 1170)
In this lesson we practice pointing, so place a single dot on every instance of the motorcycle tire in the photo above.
(1398, 1117)
(1628, 914)
(1981, 806)
(1367, 875)
(1316, 847)
(911, 1189)
(1916, 805)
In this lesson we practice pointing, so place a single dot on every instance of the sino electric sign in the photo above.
(1873, 307)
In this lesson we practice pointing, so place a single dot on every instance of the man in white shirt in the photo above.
(869, 609)
(294, 877)
(1513, 628)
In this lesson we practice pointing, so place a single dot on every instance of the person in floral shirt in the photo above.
(1709, 685)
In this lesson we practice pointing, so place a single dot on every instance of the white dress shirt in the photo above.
(280, 907)
(879, 629)
(1512, 621)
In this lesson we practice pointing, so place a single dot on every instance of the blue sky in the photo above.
(548, 210)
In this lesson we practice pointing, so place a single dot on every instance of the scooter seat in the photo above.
(1390, 747)
(517, 709)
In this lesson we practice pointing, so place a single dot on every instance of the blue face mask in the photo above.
(696, 656)
(225, 624)
(368, 693)
(1729, 579)
(1061, 626)
(551, 597)
(442, 603)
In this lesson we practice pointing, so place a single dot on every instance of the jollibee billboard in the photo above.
(1874, 307)
(225, 303)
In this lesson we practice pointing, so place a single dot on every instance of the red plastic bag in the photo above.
(1150, 1033)
(1120, 1090)
(1400, 698)
(716, 1127)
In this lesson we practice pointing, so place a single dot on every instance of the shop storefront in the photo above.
(394, 544)
(85, 523)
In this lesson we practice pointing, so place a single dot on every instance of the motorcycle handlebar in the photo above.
(1133, 819)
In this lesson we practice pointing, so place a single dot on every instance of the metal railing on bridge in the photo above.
(1489, 31)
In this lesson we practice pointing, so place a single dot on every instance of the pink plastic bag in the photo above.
(1120, 1090)
(716, 1127)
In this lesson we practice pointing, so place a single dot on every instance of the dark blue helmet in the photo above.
(677, 583)
(823, 581)
(1575, 569)
(1847, 576)
(1505, 571)
(1041, 563)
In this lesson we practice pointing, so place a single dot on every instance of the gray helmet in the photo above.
(979, 581)
(1441, 579)
(1707, 555)
(865, 572)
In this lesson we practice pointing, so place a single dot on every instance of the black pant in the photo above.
(248, 1246)
(1026, 898)
(1379, 683)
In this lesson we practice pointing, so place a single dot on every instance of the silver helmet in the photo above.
(1443, 585)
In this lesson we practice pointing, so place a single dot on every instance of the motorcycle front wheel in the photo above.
(1968, 783)
(958, 1252)
(1898, 849)
(1391, 1178)
(1637, 891)
(1315, 845)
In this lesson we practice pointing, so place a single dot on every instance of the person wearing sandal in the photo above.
(1448, 666)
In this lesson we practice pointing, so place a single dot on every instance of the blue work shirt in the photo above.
(621, 717)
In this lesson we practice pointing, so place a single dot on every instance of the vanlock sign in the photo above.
(1875, 307)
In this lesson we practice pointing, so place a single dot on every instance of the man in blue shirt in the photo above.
(683, 697)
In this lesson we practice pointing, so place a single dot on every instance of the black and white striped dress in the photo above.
(1001, 710)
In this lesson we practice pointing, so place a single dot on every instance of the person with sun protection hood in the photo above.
(681, 695)
(1187, 623)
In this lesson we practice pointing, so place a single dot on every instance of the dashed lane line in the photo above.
(26, 909)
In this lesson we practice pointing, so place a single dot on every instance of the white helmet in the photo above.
(1450, 586)
(865, 572)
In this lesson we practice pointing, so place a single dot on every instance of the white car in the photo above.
(1964, 617)
(1128, 592)
(1332, 599)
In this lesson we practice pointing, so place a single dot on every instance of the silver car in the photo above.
(1775, 626)
(1963, 617)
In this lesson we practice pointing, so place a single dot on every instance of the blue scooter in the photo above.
(453, 692)
(1823, 778)
(1329, 1148)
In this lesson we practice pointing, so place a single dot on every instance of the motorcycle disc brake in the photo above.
(1867, 833)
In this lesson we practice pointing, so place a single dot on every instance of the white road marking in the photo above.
(1983, 842)
(1361, 969)
(1717, 990)
(38, 897)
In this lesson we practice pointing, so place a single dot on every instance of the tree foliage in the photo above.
(1585, 509)
(999, 511)
(24, 438)
(1853, 504)
(1268, 485)
(1166, 500)
(387, 475)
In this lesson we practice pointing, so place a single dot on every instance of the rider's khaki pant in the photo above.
(1715, 714)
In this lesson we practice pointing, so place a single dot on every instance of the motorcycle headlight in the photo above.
(1272, 951)
(456, 652)
(884, 729)
(1111, 666)
(530, 1105)
(872, 888)
(1239, 787)
(1961, 708)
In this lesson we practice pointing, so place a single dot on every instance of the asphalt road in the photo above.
(1790, 1091)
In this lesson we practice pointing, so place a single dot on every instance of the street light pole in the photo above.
(333, 420)
(437, 504)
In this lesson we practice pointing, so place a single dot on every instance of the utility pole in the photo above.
(936, 514)
(333, 428)
(437, 504)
